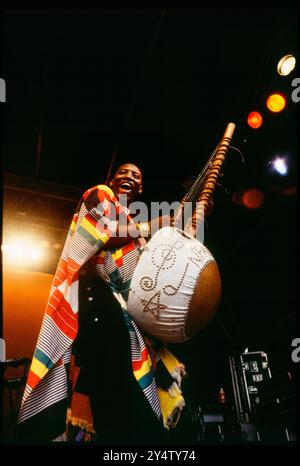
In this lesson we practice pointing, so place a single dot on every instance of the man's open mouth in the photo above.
(126, 186)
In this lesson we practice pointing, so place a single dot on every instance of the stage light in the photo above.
(280, 166)
(15, 250)
(276, 102)
(286, 65)
(22, 252)
(253, 198)
(254, 120)
(35, 254)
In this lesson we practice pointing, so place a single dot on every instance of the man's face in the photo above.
(127, 181)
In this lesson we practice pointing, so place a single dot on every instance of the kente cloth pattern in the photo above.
(94, 222)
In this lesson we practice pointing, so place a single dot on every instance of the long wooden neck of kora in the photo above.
(201, 192)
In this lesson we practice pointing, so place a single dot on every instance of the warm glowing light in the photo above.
(22, 251)
(276, 102)
(286, 65)
(280, 166)
(15, 249)
(253, 198)
(34, 254)
(254, 120)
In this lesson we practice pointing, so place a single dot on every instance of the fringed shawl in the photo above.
(92, 226)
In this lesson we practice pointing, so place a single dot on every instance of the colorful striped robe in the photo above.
(93, 224)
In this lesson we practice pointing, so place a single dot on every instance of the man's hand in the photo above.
(127, 233)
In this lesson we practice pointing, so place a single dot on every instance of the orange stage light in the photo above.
(254, 120)
(276, 102)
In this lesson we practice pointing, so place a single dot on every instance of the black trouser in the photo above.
(121, 411)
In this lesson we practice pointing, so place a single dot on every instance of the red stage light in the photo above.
(254, 120)
(253, 198)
